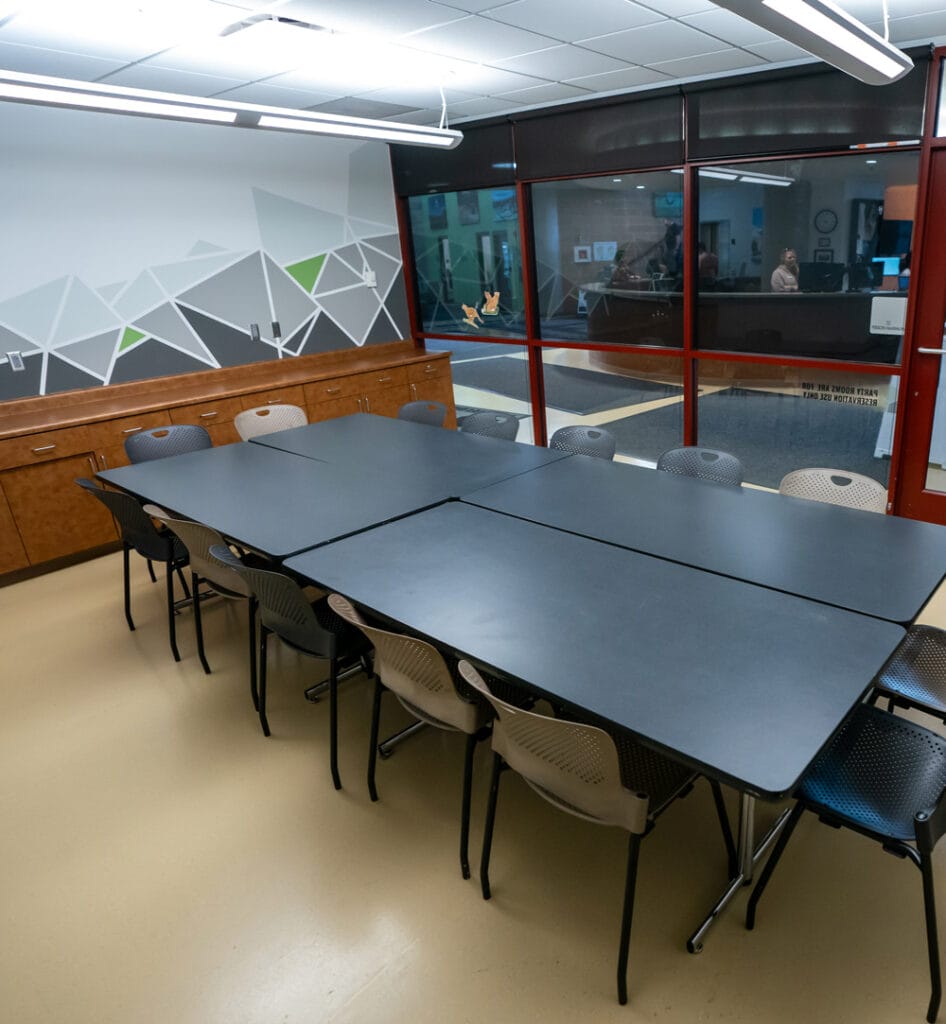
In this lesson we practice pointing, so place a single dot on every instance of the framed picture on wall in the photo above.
(604, 252)
(824, 243)
(505, 206)
(437, 212)
(582, 253)
(824, 255)
(468, 207)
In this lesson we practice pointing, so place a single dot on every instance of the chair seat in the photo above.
(917, 671)
(877, 773)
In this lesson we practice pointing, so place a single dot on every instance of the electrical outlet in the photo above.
(371, 279)
(15, 359)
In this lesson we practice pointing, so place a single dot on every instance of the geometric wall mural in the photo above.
(194, 314)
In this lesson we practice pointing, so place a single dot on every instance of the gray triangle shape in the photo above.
(336, 275)
(389, 251)
(84, 312)
(141, 295)
(62, 376)
(385, 271)
(32, 313)
(92, 354)
(205, 248)
(176, 277)
(109, 291)
(294, 231)
(11, 342)
(354, 311)
(236, 295)
(351, 254)
(326, 336)
(291, 304)
(362, 229)
(167, 324)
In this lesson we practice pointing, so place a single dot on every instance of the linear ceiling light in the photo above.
(827, 32)
(64, 92)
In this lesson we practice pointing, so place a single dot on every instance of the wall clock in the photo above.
(826, 221)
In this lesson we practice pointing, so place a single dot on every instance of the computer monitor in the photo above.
(821, 277)
(866, 276)
(890, 265)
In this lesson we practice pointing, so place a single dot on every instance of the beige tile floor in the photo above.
(164, 863)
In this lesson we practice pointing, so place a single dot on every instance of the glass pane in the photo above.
(779, 419)
(936, 467)
(638, 398)
(609, 259)
(489, 376)
(467, 262)
(807, 257)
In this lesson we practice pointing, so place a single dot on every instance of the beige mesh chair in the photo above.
(417, 674)
(267, 419)
(836, 486)
(584, 771)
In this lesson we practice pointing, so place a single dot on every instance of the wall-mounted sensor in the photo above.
(16, 362)
(254, 332)
(277, 330)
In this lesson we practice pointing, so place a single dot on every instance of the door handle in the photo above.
(932, 351)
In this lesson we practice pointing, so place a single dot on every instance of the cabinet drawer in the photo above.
(35, 448)
(417, 372)
(328, 390)
(221, 410)
(394, 377)
(114, 432)
(278, 396)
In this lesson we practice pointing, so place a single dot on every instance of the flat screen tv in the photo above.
(821, 277)
(668, 205)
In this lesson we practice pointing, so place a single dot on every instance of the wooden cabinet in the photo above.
(45, 443)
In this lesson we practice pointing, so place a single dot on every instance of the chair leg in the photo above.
(254, 693)
(172, 629)
(630, 886)
(333, 722)
(932, 942)
(373, 741)
(488, 828)
(180, 576)
(780, 845)
(126, 584)
(154, 579)
(471, 741)
(198, 623)
(733, 858)
(263, 632)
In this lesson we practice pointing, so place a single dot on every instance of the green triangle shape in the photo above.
(129, 337)
(306, 272)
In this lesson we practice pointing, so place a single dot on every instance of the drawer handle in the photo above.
(367, 404)
(430, 369)
(384, 380)
(207, 415)
(413, 391)
(132, 430)
(332, 391)
(44, 448)
(273, 401)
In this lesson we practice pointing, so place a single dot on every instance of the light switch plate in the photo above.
(15, 360)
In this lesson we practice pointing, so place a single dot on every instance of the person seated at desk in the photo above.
(785, 275)
(707, 266)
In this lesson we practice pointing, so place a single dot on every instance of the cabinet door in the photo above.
(334, 407)
(53, 515)
(12, 552)
(386, 401)
(437, 388)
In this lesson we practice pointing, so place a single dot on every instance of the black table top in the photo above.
(742, 682)
(879, 565)
(269, 500)
(447, 461)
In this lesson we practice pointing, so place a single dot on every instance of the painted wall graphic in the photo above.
(329, 278)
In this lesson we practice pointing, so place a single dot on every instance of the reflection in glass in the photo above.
(489, 376)
(467, 262)
(637, 398)
(936, 467)
(779, 419)
(609, 258)
(807, 257)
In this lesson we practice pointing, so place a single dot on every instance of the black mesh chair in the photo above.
(491, 424)
(703, 463)
(221, 579)
(311, 628)
(585, 771)
(138, 533)
(162, 442)
(432, 413)
(915, 677)
(885, 778)
(580, 440)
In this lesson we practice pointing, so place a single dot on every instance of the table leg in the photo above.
(749, 856)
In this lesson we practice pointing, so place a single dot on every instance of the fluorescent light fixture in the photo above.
(64, 92)
(706, 172)
(827, 32)
(753, 177)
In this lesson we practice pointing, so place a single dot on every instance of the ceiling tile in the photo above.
(417, 117)
(371, 17)
(33, 60)
(925, 26)
(417, 97)
(726, 25)
(567, 20)
(550, 93)
(478, 39)
(266, 95)
(667, 40)
(483, 107)
(473, 6)
(488, 80)
(708, 64)
(679, 8)
(142, 76)
(560, 62)
(779, 50)
(351, 106)
(629, 78)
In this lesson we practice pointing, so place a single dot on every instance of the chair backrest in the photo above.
(162, 442)
(836, 486)
(572, 765)
(582, 440)
(433, 413)
(491, 424)
(137, 529)
(283, 607)
(416, 673)
(267, 419)
(703, 463)
(199, 539)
